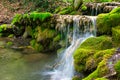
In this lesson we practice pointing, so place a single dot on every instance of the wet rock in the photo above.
(97, 8)
(111, 63)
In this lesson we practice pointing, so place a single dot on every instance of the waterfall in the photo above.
(97, 8)
(65, 63)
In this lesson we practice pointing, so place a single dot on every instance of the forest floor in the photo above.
(9, 9)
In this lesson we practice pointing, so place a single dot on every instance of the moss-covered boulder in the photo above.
(102, 68)
(97, 43)
(116, 35)
(93, 55)
(105, 22)
(37, 26)
(45, 39)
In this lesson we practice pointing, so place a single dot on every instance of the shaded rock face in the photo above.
(111, 62)
(97, 8)
(77, 3)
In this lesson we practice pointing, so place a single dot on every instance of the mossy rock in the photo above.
(36, 46)
(105, 22)
(94, 54)
(102, 68)
(80, 58)
(44, 33)
(91, 52)
(6, 30)
(116, 35)
(33, 18)
(46, 39)
(97, 43)
(117, 68)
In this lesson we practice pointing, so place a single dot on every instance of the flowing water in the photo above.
(65, 68)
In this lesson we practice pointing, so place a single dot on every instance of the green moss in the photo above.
(9, 44)
(101, 79)
(76, 78)
(117, 10)
(116, 35)
(57, 38)
(37, 46)
(33, 18)
(11, 36)
(105, 22)
(6, 30)
(40, 16)
(16, 19)
(97, 43)
(91, 52)
(80, 58)
(117, 68)
(83, 7)
(102, 68)
(4, 27)
(42, 34)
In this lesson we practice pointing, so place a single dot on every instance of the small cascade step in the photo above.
(97, 8)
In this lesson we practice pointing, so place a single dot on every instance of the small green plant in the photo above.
(3, 27)
(11, 35)
(9, 44)
(16, 19)
(83, 8)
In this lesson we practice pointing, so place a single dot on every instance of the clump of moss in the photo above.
(36, 46)
(32, 18)
(102, 68)
(42, 34)
(105, 22)
(117, 10)
(16, 19)
(97, 43)
(40, 16)
(116, 35)
(5, 30)
(83, 7)
(94, 53)
(80, 58)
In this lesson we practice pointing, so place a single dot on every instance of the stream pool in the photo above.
(30, 66)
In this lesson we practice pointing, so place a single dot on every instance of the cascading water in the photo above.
(65, 65)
